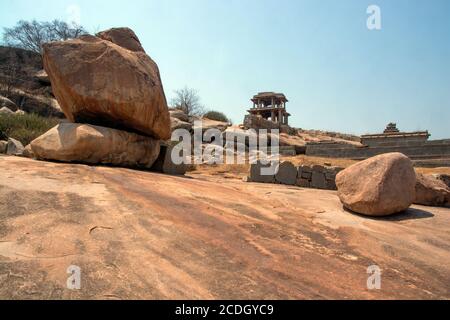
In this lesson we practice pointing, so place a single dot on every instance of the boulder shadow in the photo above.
(409, 214)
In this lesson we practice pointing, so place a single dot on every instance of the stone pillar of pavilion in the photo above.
(270, 105)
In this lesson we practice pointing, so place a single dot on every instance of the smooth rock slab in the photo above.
(73, 142)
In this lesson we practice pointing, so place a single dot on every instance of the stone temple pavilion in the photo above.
(270, 106)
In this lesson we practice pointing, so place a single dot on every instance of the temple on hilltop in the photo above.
(415, 145)
(270, 106)
(393, 137)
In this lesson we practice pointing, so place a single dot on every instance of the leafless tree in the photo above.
(30, 35)
(188, 100)
(10, 76)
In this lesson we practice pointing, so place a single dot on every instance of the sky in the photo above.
(337, 74)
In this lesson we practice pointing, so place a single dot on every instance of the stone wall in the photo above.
(317, 177)
(434, 149)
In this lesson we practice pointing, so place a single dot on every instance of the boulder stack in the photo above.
(111, 91)
(111, 83)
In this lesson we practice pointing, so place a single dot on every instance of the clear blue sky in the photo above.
(337, 74)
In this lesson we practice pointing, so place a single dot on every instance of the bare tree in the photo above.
(10, 75)
(188, 100)
(30, 35)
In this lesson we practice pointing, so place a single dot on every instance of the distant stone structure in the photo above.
(393, 137)
(415, 145)
(268, 112)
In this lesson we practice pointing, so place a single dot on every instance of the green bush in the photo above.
(216, 115)
(25, 127)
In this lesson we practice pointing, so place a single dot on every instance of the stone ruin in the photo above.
(316, 177)
(416, 145)
(268, 112)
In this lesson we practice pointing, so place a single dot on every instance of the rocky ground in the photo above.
(140, 235)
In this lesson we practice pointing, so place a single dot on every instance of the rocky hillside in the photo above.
(23, 81)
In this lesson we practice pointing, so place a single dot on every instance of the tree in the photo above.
(10, 75)
(188, 100)
(30, 35)
(216, 115)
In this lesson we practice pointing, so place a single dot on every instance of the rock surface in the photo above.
(379, 186)
(431, 191)
(3, 146)
(164, 163)
(256, 174)
(123, 37)
(178, 124)
(179, 114)
(101, 83)
(6, 110)
(5, 102)
(143, 235)
(287, 173)
(14, 147)
(72, 142)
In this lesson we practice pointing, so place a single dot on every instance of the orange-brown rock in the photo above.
(378, 186)
(431, 191)
(144, 235)
(101, 83)
(124, 37)
(73, 142)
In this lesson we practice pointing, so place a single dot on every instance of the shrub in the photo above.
(216, 115)
(24, 127)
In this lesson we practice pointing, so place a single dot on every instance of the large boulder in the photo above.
(431, 191)
(178, 124)
(73, 142)
(179, 114)
(14, 147)
(123, 37)
(99, 82)
(42, 77)
(379, 186)
(286, 173)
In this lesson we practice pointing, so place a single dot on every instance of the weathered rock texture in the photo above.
(164, 163)
(378, 186)
(142, 235)
(287, 173)
(257, 176)
(14, 147)
(72, 142)
(101, 83)
(431, 191)
(3, 146)
(123, 37)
